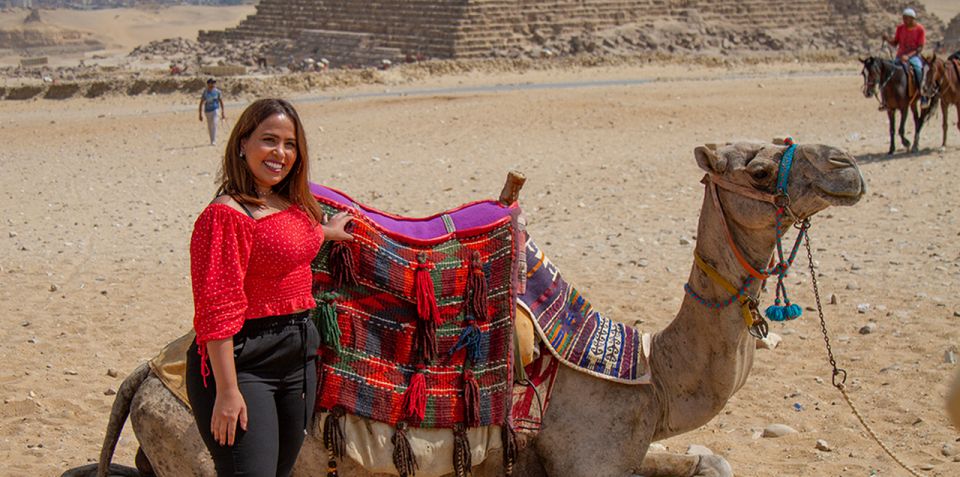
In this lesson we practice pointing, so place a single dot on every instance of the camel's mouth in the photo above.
(846, 188)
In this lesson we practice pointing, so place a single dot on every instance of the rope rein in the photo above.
(839, 376)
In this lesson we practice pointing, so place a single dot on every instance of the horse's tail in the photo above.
(118, 416)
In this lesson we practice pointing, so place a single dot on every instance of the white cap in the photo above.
(909, 12)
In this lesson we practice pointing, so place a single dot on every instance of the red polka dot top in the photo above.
(244, 268)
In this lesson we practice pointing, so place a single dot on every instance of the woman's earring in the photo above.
(242, 154)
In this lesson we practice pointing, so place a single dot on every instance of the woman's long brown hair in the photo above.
(236, 179)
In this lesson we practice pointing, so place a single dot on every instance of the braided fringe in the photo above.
(471, 399)
(462, 458)
(476, 291)
(333, 439)
(403, 458)
(342, 265)
(331, 466)
(510, 450)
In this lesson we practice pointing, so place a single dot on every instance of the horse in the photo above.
(898, 91)
(943, 82)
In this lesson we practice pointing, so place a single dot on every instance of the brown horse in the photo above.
(898, 91)
(943, 81)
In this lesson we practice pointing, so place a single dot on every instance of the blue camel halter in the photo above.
(782, 309)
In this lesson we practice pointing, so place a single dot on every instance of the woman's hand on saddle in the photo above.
(228, 410)
(336, 228)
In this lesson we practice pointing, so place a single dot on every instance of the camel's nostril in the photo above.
(841, 161)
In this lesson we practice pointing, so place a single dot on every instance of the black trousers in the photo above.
(277, 375)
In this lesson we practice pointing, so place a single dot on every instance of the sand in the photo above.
(120, 30)
(101, 196)
(944, 9)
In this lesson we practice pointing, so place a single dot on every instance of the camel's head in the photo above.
(820, 176)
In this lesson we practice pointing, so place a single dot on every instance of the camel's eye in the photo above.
(760, 175)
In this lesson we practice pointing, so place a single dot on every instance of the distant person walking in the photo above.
(211, 101)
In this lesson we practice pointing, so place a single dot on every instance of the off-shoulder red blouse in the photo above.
(244, 268)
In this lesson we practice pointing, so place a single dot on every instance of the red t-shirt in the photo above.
(909, 39)
(244, 268)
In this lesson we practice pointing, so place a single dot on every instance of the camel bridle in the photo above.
(782, 309)
(749, 304)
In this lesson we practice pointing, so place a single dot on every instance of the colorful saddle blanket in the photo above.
(424, 309)
(575, 333)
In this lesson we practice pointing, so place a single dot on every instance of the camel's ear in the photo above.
(709, 160)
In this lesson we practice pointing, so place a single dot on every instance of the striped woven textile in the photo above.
(377, 318)
(577, 334)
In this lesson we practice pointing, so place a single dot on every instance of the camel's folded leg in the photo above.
(662, 464)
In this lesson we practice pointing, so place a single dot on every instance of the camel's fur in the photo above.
(699, 361)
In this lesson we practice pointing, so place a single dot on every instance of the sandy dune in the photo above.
(944, 9)
(101, 195)
(123, 29)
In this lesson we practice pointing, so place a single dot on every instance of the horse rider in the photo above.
(909, 40)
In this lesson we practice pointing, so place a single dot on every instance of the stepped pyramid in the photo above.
(361, 31)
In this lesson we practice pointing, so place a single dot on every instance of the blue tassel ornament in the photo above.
(793, 311)
(470, 340)
(775, 313)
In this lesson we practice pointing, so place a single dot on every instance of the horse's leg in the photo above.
(903, 128)
(945, 111)
(957, 105)
(917, 126)
(890, 119)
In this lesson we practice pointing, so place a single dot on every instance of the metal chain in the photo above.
(840, 371)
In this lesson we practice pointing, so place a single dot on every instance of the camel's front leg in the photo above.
(662, 464)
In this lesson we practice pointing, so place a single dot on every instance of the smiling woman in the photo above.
(251, 291)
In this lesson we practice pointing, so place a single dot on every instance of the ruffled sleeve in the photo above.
(219, 253)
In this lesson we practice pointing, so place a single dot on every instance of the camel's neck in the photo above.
(704, 355)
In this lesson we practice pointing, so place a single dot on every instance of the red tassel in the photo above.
(415, 398)
(423, 290)
(477, 289)
(343, 267)
(471, 399)
(427, 312)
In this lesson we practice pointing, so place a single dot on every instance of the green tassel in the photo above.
(326, 320)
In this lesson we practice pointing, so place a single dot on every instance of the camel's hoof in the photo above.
(713, 466)
(90, 470)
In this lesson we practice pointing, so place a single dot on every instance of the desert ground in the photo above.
(102, 193)
(118, 30)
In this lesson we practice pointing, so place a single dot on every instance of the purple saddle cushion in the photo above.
(464, 218)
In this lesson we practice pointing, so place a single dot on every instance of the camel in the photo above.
(698, 361)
